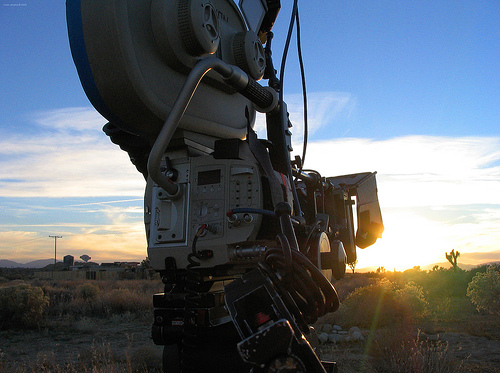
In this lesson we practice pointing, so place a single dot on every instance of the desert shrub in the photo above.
(412, 297)
(484, 291)
(483, 268)
(145, 359)
(22, 306)
(118, 301)
(88, 291)
(59, 298)
(350, 283)
(382, 304)
(99, 298)
(439, 282)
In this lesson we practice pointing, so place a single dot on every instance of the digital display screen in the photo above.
(209, 177)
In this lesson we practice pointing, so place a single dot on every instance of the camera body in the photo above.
(231, 222)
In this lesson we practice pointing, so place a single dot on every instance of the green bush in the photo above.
(88, 291)
(350, 283)
(22, 306)
(411, 296)
(484, 290)
(382, 304)
(439, 282)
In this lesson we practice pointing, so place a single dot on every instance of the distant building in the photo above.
(94, 271)
(69, 261)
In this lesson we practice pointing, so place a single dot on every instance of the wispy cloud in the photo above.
(324, 108)
(104, 230)
(418, 170)
(481, 257)
(66, 154)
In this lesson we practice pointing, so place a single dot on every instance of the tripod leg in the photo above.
(171, 359)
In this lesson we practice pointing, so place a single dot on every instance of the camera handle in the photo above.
(264, 100)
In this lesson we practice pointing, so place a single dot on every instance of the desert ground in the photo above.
(424, 323)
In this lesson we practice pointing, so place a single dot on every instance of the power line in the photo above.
(55, 252)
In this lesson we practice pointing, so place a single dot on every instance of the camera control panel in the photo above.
(210, 188)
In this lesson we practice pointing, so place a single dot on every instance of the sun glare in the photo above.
(408, 241)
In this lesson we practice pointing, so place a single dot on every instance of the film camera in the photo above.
(246, 241)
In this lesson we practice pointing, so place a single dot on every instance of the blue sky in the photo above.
(407, 88)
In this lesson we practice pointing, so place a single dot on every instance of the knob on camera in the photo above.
(248, 54)
(185, 30)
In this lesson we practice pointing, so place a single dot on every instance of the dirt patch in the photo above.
(478, 354)
(468, 353)
(123, 343)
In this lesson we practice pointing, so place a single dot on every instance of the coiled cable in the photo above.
(312, 294)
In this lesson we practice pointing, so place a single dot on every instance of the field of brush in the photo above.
(413, 321)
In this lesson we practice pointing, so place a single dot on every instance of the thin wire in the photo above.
(304, 92)
(285, 50)
(282, 79)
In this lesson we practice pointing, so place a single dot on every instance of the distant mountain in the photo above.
(39, 263)
(4, 263)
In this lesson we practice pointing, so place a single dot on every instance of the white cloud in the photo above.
(418, 170)
(70, 156)
(72, 118)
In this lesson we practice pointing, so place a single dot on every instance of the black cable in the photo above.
(285, 50)
(316, 226)
(203, 254)
(304, 92)
(287, 252)
(270, 72)
(285, 295)
(282, 78)
(313, 295)
(190, 338)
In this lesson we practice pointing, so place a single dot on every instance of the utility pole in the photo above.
(55, 252)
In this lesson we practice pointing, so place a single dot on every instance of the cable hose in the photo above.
(301, 288)
(311, 293)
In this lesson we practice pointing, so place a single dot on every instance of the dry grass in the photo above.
(391, 307)
(99, 298)
(25, 300)
(401, 351)
(98, 358)
(71, 312)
